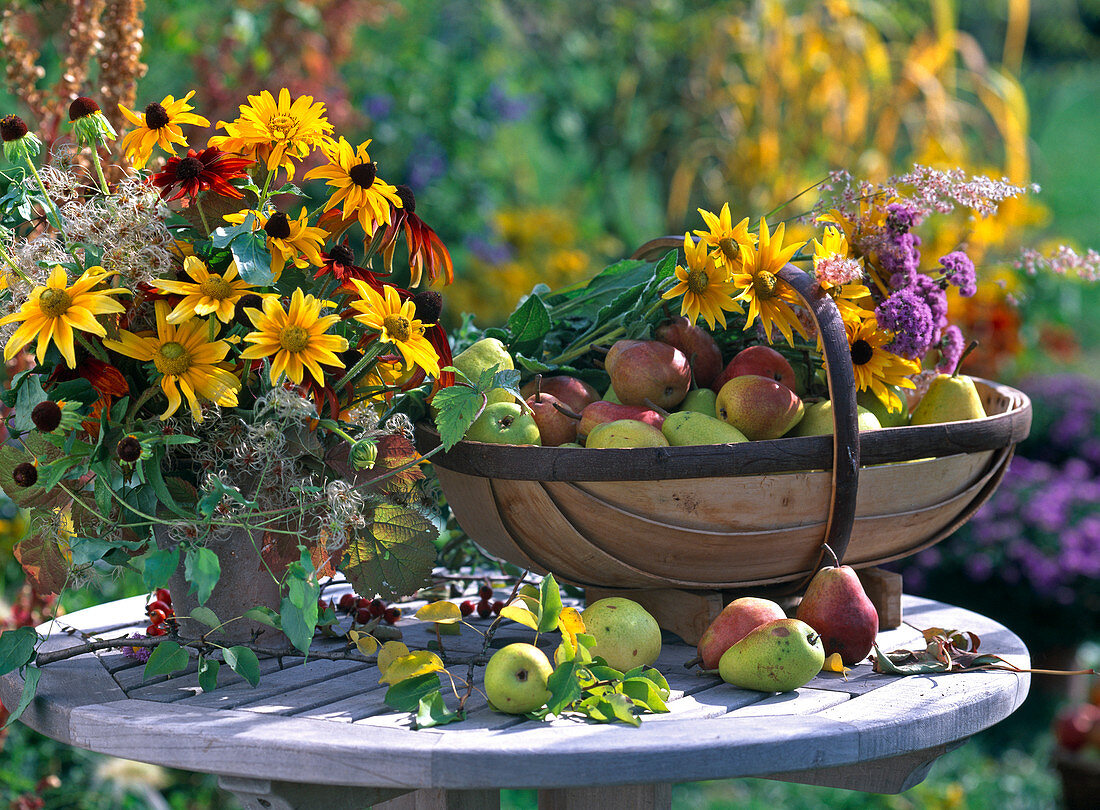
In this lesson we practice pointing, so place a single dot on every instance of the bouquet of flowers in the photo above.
(216, 363)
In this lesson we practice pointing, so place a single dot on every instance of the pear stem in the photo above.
(538, 388)
(567, 411)
(971, 347)
(832, 554)
(653, 406)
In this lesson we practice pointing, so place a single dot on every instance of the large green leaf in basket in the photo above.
(393, 555)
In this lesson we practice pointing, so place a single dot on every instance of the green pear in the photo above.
(515, 678)
(691, 427)
(887, 418)
(950, 398)
(818, 420)
(627, 636)
(481, 356)
(505, 423)
(701, 400)
(776, 657)
(625, 433)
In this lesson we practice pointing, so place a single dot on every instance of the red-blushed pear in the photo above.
(763, 361)
(643, 370)
(737, 619)
(759, 407)
(837, 607)
(555, 427)
(602, 411)
(779, 656)
(574, 393)
(698, 347)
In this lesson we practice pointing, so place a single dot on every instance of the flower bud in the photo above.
(363, 454)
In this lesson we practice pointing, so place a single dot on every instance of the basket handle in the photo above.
(842, 391)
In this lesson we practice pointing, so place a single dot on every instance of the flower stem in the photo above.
(97, 351)
(99, 170)
(14, 267)
(202, 213)
(357, 370)
(42, 187)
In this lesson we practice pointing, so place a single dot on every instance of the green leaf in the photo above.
(550, 603)
(227, 233)
(206, 616)
(456, 409)
(30, 394)
(619, 707)
(644, 693)
(208, 674)
(203, 570)
(263, 615)
(49, 475)
(30, 686)
(529, 324)
(16, 648)
(102, 489)
(154, 476)
(393, 555)
(532, 365)
(658, 681)
(86, 550)
(244, 662)
(563, 686)
(433, 711)
(296, 624)
(166, 658)
(253, 259)
(405, 696)
(159, 567)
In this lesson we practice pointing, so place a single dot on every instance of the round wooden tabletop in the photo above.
(311, 728)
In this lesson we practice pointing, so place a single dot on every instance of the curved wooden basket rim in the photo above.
(840, 454)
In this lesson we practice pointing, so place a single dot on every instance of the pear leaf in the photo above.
(244, 662)
(564, 687)
(412, 665)
(442, 612)
(518, 613)
(30, 687)
(208, 673)
(390, 652)
(550, 604)
(168, 657)
(406, 695)
(364, 642)
(432, 711)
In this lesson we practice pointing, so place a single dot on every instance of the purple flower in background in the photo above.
(488, 251)
(951, 348)
(959, 270)
(906, 315)
(378, 106)
(427, 163)
(504, 106)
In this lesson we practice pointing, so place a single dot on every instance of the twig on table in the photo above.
(485, 646)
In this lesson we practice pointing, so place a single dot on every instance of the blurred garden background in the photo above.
(544, 139)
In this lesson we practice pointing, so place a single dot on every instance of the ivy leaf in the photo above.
(203, 570)
(405, 696)
(456, 409)
(432, 711)
(16, 648)
(166, 658)
(159, 567)
(30, 686)
(393, 555)
(244, 662)
(208, 673)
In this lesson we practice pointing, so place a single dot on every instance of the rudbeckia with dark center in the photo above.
(339, 262)
(158, 125)
(426, 249)
(211, 169)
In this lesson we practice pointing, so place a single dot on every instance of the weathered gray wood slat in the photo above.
(349, 709)
(182, 686)
(295, 692)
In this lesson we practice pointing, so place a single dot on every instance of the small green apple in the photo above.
(505, 423)
(515, 678)
(626, 634)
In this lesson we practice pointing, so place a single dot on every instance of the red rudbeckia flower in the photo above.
(198, 171)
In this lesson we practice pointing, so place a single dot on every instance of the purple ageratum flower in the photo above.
(137, 653)
(936, 299)
(899, 256)
(959, 270)
(901, 217)
(951, 349)
(907, 315)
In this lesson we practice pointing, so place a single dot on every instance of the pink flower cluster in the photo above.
(1063, 261)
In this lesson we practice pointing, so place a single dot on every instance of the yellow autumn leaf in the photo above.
(570, 623)
(518, 613)
(408, 666)
(442, 612)
(364, 642)
(834, 663)
(390, 652)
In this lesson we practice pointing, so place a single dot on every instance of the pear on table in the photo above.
(737, 619)
(837, 607)
(779, 656)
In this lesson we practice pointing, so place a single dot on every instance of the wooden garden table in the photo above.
(318, 735)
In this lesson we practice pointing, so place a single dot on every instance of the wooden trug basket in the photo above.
(683, 530)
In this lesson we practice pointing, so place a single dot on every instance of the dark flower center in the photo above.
(46, 416)
(189, 168)
(428, 305)
(341, 254)
(12, 128)
(129, 449)
(363, 175)
(25, 474)
(156, 116)
(405, 194)
(862, 352)
(278, 227)
(82, 107)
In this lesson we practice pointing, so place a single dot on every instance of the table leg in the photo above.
(262, 794)
(440, 799)
(636, 797)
